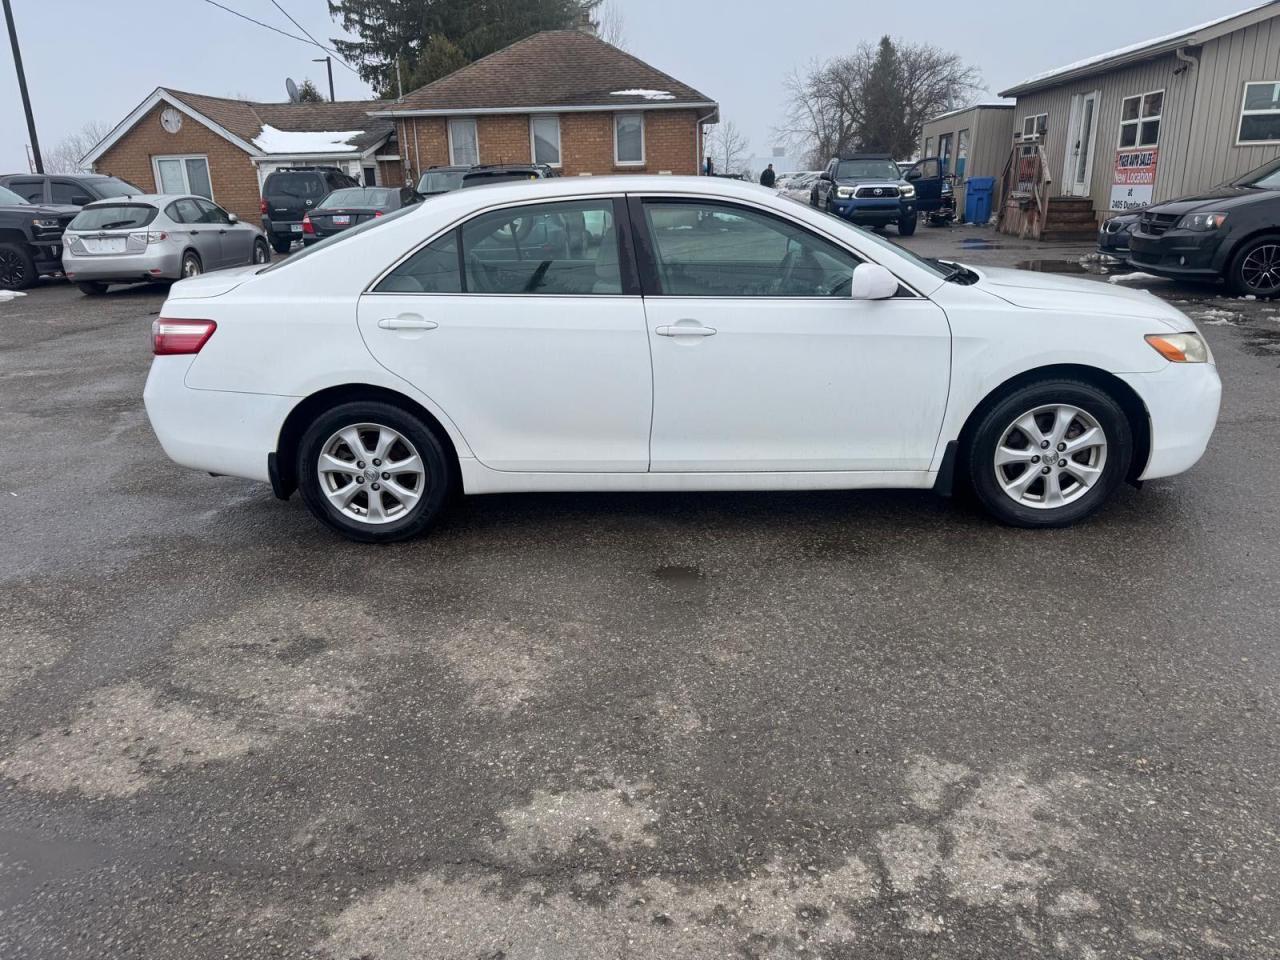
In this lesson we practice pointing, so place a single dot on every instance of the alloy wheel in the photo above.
(371, 473)
(13, 270)
(1261, 268)
(1050, 456)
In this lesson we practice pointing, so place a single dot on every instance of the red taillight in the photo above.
(170, 337)
(307, 225)
(262, 206)
(377, 213)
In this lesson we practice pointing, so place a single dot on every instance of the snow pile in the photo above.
(271, 140)
(1130, 277)
(646, 94)
(10, 295)
(1216, 318)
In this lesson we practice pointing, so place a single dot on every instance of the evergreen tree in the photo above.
(884, 108)
(307, 93)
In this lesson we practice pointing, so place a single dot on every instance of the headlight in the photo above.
(1202, 221)
(1180, 347)
(844, 192)
(45, 224)
(907, 191)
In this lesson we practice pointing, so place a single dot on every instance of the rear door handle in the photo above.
(686, 330)
(407, 323)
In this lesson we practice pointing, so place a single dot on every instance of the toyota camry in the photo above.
(665, 334)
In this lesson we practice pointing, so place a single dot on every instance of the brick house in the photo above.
(176, 142)
(562, 97)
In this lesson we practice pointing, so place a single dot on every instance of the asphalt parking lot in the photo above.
(767, 725)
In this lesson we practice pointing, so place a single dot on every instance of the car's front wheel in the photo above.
(261, 252)
(907, 226)
(373, 472)
(17, 268)
(1255, 270)
(1049, 453)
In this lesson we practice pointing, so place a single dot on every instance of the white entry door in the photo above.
(1080, 155)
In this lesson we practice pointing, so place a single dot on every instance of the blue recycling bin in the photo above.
(977, 199)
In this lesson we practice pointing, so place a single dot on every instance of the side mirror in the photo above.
(233, 218)
(872, 282)
(915, 174)
(825, 176)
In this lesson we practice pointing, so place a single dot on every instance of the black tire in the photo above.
(281, 244)
(191, 265)
(92, 288)
(17, 267)
(261, 252)
(991, 429)
(437, 479)
(907, 226)
(1245, 276)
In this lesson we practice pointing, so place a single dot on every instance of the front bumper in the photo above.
(155, 264)
(1177, 253)
(1182, 402)
(873, 211)
(216, 431)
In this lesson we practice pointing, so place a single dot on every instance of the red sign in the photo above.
(1134, 179)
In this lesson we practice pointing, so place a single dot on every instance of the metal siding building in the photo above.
(990, 127)
(1202, 73)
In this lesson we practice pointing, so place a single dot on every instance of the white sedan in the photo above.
(663, 334)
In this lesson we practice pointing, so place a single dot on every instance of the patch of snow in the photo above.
(1130, 277)
(271, 140)
(646, 94)
(1216, 318)
(10, 295)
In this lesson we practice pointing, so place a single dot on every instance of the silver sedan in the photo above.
(156, 237)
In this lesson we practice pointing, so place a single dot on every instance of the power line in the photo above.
(313, 39)
(283, 33)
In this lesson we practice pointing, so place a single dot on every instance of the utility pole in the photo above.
(22, 86)
(327, 61)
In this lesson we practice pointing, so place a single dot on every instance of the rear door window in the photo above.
(185, 211)
(30, 190)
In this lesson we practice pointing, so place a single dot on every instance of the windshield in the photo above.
(932, 266)
(1264, 178)
(440, 181)
(9, 198)
(114, 216)
(358, 197)
(342, 237)
(115, 187)
(867, 170)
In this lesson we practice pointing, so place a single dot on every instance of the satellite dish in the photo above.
(292, 88)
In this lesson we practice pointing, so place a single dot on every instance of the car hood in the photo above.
(1048, 291)
(1217, 199)
(58, 210)
(212, 284)
(872, 182)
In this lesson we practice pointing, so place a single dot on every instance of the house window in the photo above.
(928, 146)
(944, 152)
(1033, 124)
(628, 139)
(1260, 113)
(464, 148)
(545, 135)
(962, 152)
(183, 175)
(1140, 120)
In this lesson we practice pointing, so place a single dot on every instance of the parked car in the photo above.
(866, 189)
(439, 356)
(438, 180)
(798, 186)
(351, 206)
(67, 189)
(156, 237)
(935, 191)
(1113, 236)
(30, 239)
(1230, 233)
(287, 195)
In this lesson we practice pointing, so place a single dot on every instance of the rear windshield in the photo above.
(9, 198)
(114, 216)
(867, 170)
(359, 197)
(342, 237)
(308, 186)
(440, 181)
(115, 187)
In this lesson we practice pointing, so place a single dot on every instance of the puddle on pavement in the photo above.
(679, 576)
(1057, 266)
(978, 243)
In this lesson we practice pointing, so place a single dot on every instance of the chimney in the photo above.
(586, 24)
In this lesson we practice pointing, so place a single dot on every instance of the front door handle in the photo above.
(407, 323)
(686, 330)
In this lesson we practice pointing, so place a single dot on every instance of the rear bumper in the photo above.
(1182, 402)
(213, 430)
(153, 265)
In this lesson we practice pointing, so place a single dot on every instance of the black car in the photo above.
(352, 205)
(68, 189)
(1113, 236)
(1230, 233)
(289, 193)
(30, 239)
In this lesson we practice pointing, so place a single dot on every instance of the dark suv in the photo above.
(30, 239)
(289, 193)
(1231, 232)
(68, 189)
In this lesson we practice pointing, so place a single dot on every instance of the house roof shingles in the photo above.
(246, 119)
(555, 68)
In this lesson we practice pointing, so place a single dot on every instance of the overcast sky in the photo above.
(89, 59)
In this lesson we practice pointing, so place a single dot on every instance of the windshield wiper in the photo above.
(957, 274)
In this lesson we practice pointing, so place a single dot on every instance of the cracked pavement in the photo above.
(760, 725)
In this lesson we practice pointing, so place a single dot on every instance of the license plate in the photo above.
(341, 220)
(105, 244)
(295, 227)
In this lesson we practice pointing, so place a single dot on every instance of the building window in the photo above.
(183, 175)
(464, 148)
(628, 139)
(928, 146)
(1140, 120)
(962, 152)
(944, 152)
(545, 135)
(1033, 124)
(1260, 113)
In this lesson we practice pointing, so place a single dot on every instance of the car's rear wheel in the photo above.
(1049, 453)
(92, 288)
(907, 226)
(191, 265)
(17, 268)
(261, 252)
(373, 472)
(281, 245)
(1255, 269)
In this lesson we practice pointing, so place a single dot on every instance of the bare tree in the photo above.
(609, 23)
(66, 153)
(727, 147)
